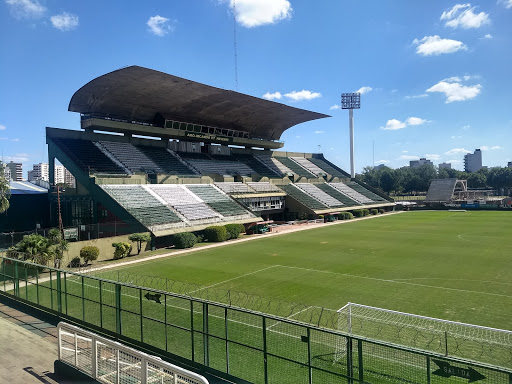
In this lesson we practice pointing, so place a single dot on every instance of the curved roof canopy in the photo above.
(141, 93)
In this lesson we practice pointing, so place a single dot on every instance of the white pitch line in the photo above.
(234, 278)
(397, 282)
(289, 317)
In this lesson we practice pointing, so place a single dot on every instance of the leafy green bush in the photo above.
(234, 230)
(89, 253)
(374, 211)
(216, 233)
(184, 240)
(75, 262)
(366, 212)
(345, 216)
(381, 211)
(139, 238)
(122, 249)
(358, 213)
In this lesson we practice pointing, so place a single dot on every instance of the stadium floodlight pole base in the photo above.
(351, 125)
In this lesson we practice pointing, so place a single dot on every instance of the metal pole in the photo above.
(351, 124)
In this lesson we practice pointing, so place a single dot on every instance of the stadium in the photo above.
(390, 298)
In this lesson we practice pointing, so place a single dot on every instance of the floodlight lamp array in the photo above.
(350, 100)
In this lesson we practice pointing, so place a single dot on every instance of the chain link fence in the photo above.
(242, 343)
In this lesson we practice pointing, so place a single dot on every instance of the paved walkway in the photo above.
(28, 348)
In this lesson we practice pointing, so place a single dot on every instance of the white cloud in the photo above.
(393, 125)
(455, 91)
(15, 140)
(409, 157)
(253, 13)
(454, 161)
(159, 25)
(272, 96)
(364, 90)
(466, 127)
(493, 148)
(303, 95)
(18, 158)
(423, 95)
(415, 121)
(65, 21)
(434, 45)
(455, 137)
(26, 8)
(432, 156)
(462, 15)
(506, 3)
(2, 127)
(404, 151)
(335, 106)
(456, 151)
(487, 36)
(382, 162)
(319, 132)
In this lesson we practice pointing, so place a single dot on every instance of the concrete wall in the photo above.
(104, 245)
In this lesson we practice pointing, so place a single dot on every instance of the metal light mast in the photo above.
(351, 101)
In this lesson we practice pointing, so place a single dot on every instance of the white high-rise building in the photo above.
(473, 161)
(445, 165)
(41, 172)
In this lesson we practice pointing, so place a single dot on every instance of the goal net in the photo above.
(451, 338)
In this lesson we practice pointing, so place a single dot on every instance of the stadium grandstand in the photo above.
(455, 193)
(163, 154)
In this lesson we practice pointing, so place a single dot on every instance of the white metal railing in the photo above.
(110, 362)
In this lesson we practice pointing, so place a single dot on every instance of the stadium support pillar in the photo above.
(351, 124)
(51, 168)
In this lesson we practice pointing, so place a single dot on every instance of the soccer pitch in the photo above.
(448, 265)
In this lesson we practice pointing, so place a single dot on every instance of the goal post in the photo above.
(422, 332)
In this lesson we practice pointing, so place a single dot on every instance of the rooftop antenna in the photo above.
(234, 43)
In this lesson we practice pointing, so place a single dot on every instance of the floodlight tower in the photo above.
(351, 101)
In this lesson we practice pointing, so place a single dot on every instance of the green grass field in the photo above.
(441, 264)
(449, 265)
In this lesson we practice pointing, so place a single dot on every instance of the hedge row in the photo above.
(212, 234)
(184, 240)
(345, 216)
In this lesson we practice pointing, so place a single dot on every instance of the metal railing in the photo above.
(256, 347)
(108, 361)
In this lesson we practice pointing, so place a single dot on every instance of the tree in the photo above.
(139, 238)
(5, 190)
(58, 244)
(36, 248)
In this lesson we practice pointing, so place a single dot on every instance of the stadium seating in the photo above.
(304, 198)
(230, 188)
(363, 191)
(166, 160)
(87, 156)
(314, 191)
(354, 195)
(338, 195)
(183, 201)
(144, 207)
(295, 167)
(273, 164)
(131, 157)
(264, 187)
(305, 163)
(327, 168)
(218, 201)
(441, 190)
(259, 166)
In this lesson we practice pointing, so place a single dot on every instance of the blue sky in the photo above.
(435, 75)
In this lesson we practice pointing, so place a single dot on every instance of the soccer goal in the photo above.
(451, 338)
